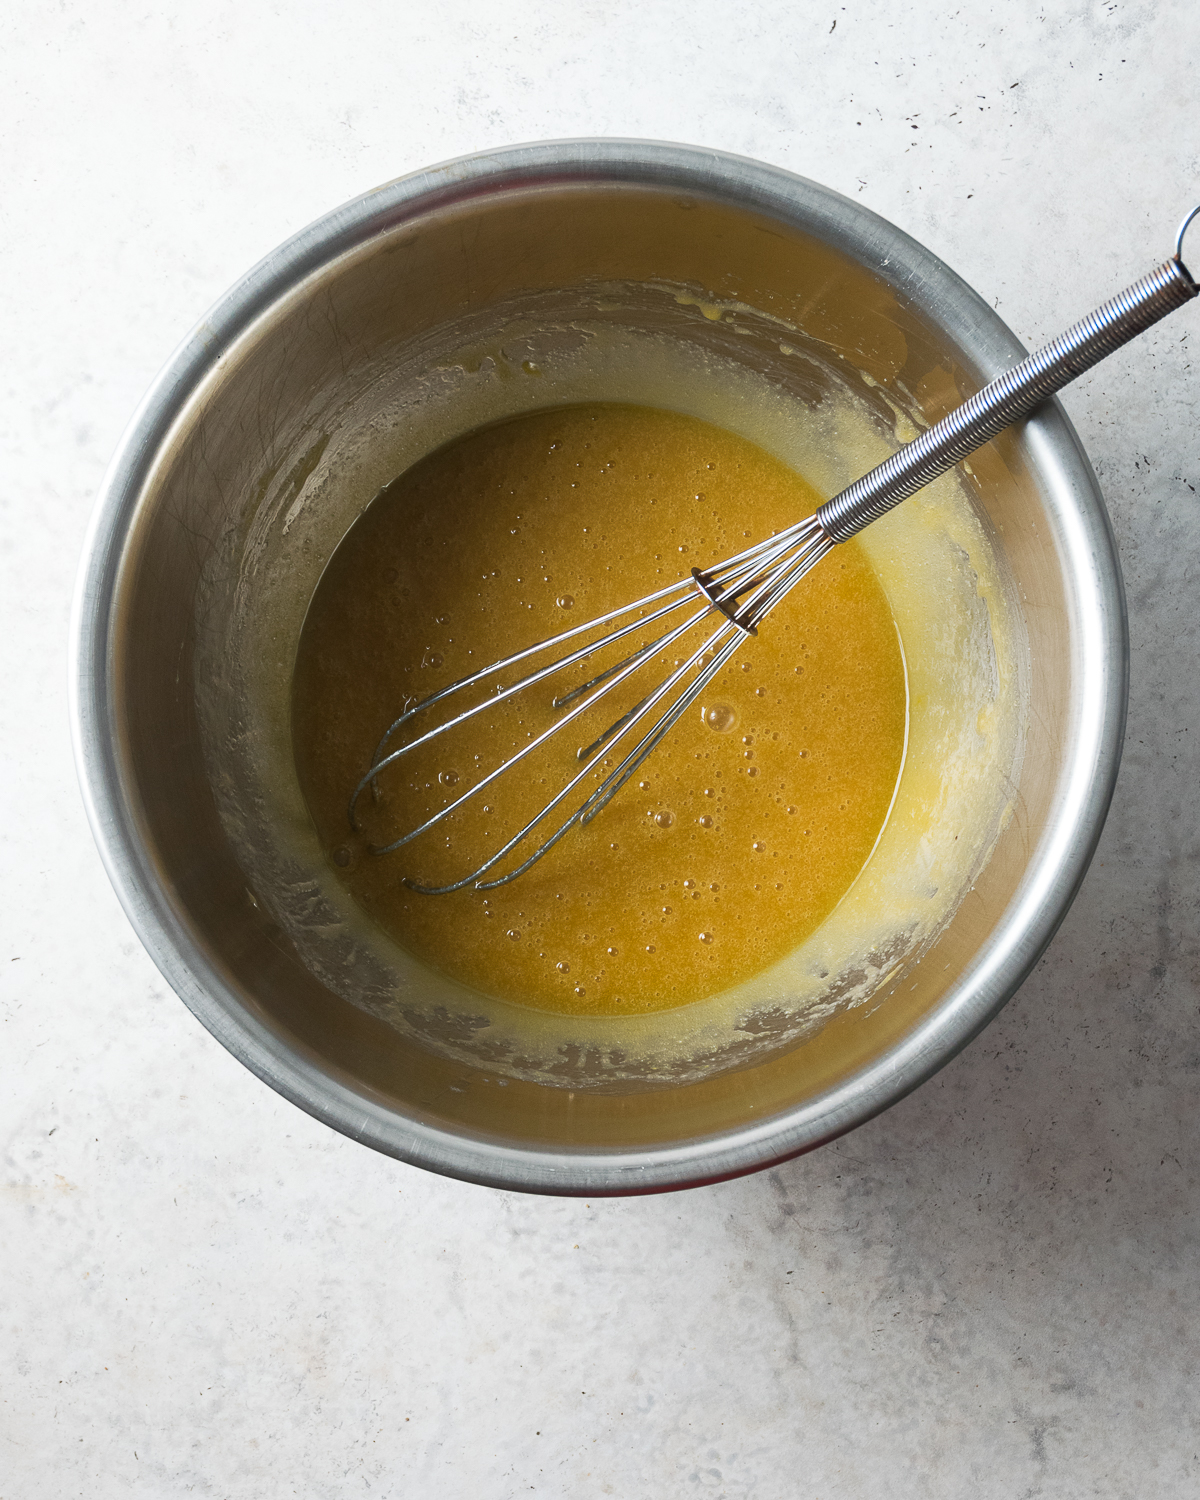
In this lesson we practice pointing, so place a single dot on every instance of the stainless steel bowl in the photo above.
(272, 362)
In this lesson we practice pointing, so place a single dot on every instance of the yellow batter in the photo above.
(744, 828)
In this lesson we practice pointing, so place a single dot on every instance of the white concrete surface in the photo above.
(990, 1291)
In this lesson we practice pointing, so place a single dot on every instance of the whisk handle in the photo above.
(1008, 398)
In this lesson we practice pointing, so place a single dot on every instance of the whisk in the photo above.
(736, 596)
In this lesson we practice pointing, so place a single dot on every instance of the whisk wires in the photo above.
(740, 593)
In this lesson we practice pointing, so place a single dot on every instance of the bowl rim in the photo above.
(1024, 929)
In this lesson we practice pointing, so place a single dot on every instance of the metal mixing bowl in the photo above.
(330, 308)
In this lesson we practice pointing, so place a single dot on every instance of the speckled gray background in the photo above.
(991, 1290)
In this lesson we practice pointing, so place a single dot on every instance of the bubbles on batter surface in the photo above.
(720, 716)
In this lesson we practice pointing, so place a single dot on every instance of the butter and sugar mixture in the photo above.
(740, 833)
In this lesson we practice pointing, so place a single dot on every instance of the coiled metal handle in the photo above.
(1010, 396)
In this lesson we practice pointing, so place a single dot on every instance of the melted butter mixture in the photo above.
(741, 832)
